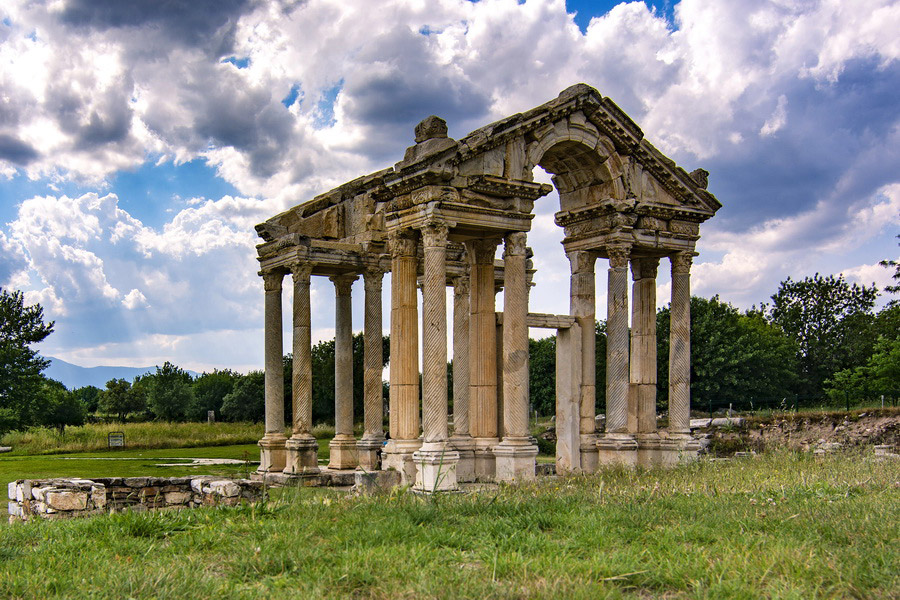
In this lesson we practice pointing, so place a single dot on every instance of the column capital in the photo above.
(618, 255)
(301, 272)
(343, 283)
(461, 285)
(581, 261)
(681, 262)
(644, 268)
(372, 278)
(272, 280)
(434, 234)
(482, 251)
(402, 243)
(514, 244)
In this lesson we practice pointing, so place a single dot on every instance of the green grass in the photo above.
(93, 437)
(779, 526)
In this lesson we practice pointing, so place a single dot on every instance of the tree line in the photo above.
(818, 337)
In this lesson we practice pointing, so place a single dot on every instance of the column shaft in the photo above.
(434, 336)
(343, 450)
(582, 298)
(642, 413)
(461, 356)
(302, 365)
(680, 345)
(482, 340)
(373, 358)
(617, 341)
(515, 339)
(404, 366)
(274, 343)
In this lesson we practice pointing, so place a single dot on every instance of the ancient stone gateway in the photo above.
(437, 218)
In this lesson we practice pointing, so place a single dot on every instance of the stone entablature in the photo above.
(65, 498)
(436, 219)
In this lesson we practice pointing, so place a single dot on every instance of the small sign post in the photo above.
(116, 439)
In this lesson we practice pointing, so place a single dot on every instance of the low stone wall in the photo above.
(63, 498)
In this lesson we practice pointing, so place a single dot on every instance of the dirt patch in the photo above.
(807, 432)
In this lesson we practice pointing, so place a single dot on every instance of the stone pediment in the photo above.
(614, 185)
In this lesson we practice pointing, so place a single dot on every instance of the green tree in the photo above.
(831, 320)
(895, 288)
(210, 390)
(734, 356)
(246, 401)
(120, 398)
(59, 407)
(20, 366)
(170, 393)
(542, 374)
(89, 396)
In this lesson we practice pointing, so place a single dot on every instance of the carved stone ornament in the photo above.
(461, 285)
(644, 268)
(681, 262)
(618, 256)
(430, 128)
(581, 261)
(343, 283)
(301, 272)
(373, 277)
(402, 243)
(482, 251)
(434, 234)
(272, 280)
(515, 244)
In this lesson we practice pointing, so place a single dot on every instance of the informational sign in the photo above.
(116, 439)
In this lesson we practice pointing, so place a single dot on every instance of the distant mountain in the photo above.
(73, 376)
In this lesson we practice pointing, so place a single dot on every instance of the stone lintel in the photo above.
(544, 321)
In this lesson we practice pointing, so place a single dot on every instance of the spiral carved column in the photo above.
(680, 345)
(515, 455)
(302, 448)
(373, 407)
(461, 440)
(272, 456)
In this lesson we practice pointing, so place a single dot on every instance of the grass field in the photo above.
(782, 525)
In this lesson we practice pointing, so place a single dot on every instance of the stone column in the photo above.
(302, 448)
(582, 303)
(343, 446)
(617, 446)
(436, 460)
(680, 346)
(462, 441)
(642, 408)
(272, 453)
(482, 355)
(515, 455)
(404, 365)
(373, 407)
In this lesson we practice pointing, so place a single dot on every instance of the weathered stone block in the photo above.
(137, 482)
(178, 497)
(225, 487)
(67, 500)
(11, 489)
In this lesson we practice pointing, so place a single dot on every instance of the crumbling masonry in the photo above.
(436, 219)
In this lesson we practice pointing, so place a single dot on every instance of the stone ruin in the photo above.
(435, 219)
(71, 497)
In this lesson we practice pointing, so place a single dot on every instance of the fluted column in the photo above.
(617, 344)
(642, 411)
(582, 305)
(302, 448)
(373, 405)
(404, 365)
(680, 345)
(272, 454)
(515, 454)
(435, 460)
(482, 354)
(343, 447)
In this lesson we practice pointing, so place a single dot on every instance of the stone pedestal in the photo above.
(272, 453)
(397, 455)
(435, 468)
(465, 447)
(343, 451)
(369, 452)
(301, 456)
(659, 450)
(615, 449)
(515, 460)
(485, 469)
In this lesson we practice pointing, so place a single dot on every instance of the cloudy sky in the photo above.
(140, 141)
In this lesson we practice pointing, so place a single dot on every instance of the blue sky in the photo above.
(139, 144)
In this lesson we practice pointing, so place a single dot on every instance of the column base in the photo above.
(301, 455)
(272, 453)
(589, 453)
(485, 461)
(660, 450)
(343, 453)
(397, 455)
(614, 449)
(515, 459)
(435, 468)
(369, 450)
(465, 446)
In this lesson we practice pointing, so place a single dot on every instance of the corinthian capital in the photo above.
(301, 272)
(515, 244)
(581, 261)
(434, 234)
(618, 255)
(402, 243)
(343, 283)
(272, 280)
(481, 251)
(681, 262)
